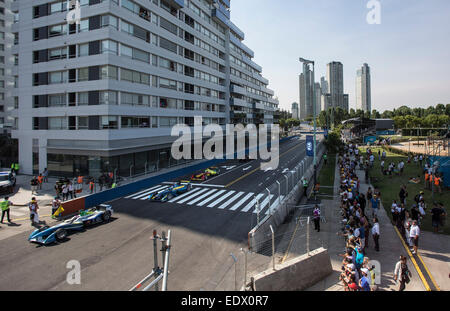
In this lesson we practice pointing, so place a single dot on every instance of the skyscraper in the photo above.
(306, 92)
(363, 90)
(295, 111)
(335, 79)
(103, 94)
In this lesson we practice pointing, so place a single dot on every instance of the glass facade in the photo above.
(134, 163)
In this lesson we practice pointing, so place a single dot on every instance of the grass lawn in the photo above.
(326, 176)
(390, 187)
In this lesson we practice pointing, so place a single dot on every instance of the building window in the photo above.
(57, 123)
(109, 122)
(83, 98)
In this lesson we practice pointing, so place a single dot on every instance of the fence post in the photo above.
(287, 185)
(235, 270)
(245, 267)
(307, 236)
(146, 164)
(279, 193)
(166, 262)
(273, 247)
(268, 191)
(155, 257)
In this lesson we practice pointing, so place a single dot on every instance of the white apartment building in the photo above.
(363, 90)
(6, 62)
(103, 95)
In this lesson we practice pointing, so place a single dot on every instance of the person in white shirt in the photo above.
(376, 233)
(414, 235)
(421, 211)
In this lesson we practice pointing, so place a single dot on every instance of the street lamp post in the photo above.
(302, 60)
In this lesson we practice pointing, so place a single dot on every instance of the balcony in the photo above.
(221, 18)
(252, 63)
(238, 43)
(238, 89)
(178, 4)
(239, 102)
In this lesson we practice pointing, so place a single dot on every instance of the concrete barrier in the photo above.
(258, 235)
(297, 274)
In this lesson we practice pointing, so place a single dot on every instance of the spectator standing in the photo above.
(402, 273)
(34, 214)
(65, 192)
(369, 196)
(55, 204)
(414, 234)
(403, 194)
(34, 185)
(421, 160)
(45, 175)
(364, 282)
(316, 217)
(5, 205)
(376, 233)
(40, 180)
(71, 191)
(375, 205)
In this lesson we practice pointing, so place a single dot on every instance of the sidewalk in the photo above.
(390, 247)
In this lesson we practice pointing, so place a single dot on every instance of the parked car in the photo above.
(7, 182)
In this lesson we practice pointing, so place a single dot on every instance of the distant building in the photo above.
(363, 89)
(335, 78)
(306, 92)
(325, 101)
(295, 111)
(318, 100)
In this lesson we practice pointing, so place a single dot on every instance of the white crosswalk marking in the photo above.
(252, 203)
(202, 197)
(275, 204)
(141, 192)
(264, 203)
(211, 198)
(184, 195)
(192, 196)
(221, 199)
(242, 201)
(144, 195)
(231, 200)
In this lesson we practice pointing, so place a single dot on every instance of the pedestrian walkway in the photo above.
(209, 197)
(390, 247)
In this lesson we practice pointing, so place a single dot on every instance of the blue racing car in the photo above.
(171, 192)
(58, 233)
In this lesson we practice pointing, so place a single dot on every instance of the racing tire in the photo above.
(106, 216)
(60, 235)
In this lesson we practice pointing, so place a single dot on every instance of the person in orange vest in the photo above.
(79, 186)
(427, 180)
(40, 179)
(437, 183)
(91, 186)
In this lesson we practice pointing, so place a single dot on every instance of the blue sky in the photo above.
(409, 52)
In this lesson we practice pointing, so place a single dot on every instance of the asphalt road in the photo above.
(207, 223)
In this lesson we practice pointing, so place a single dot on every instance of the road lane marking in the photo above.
(242, 201)
(202, 196)
(258, 168)
(184, 195)
(211, 198)
(221, 199)
(192, 196)
(252, 203)
(234, 198)
(149, 192)
(140, 192)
